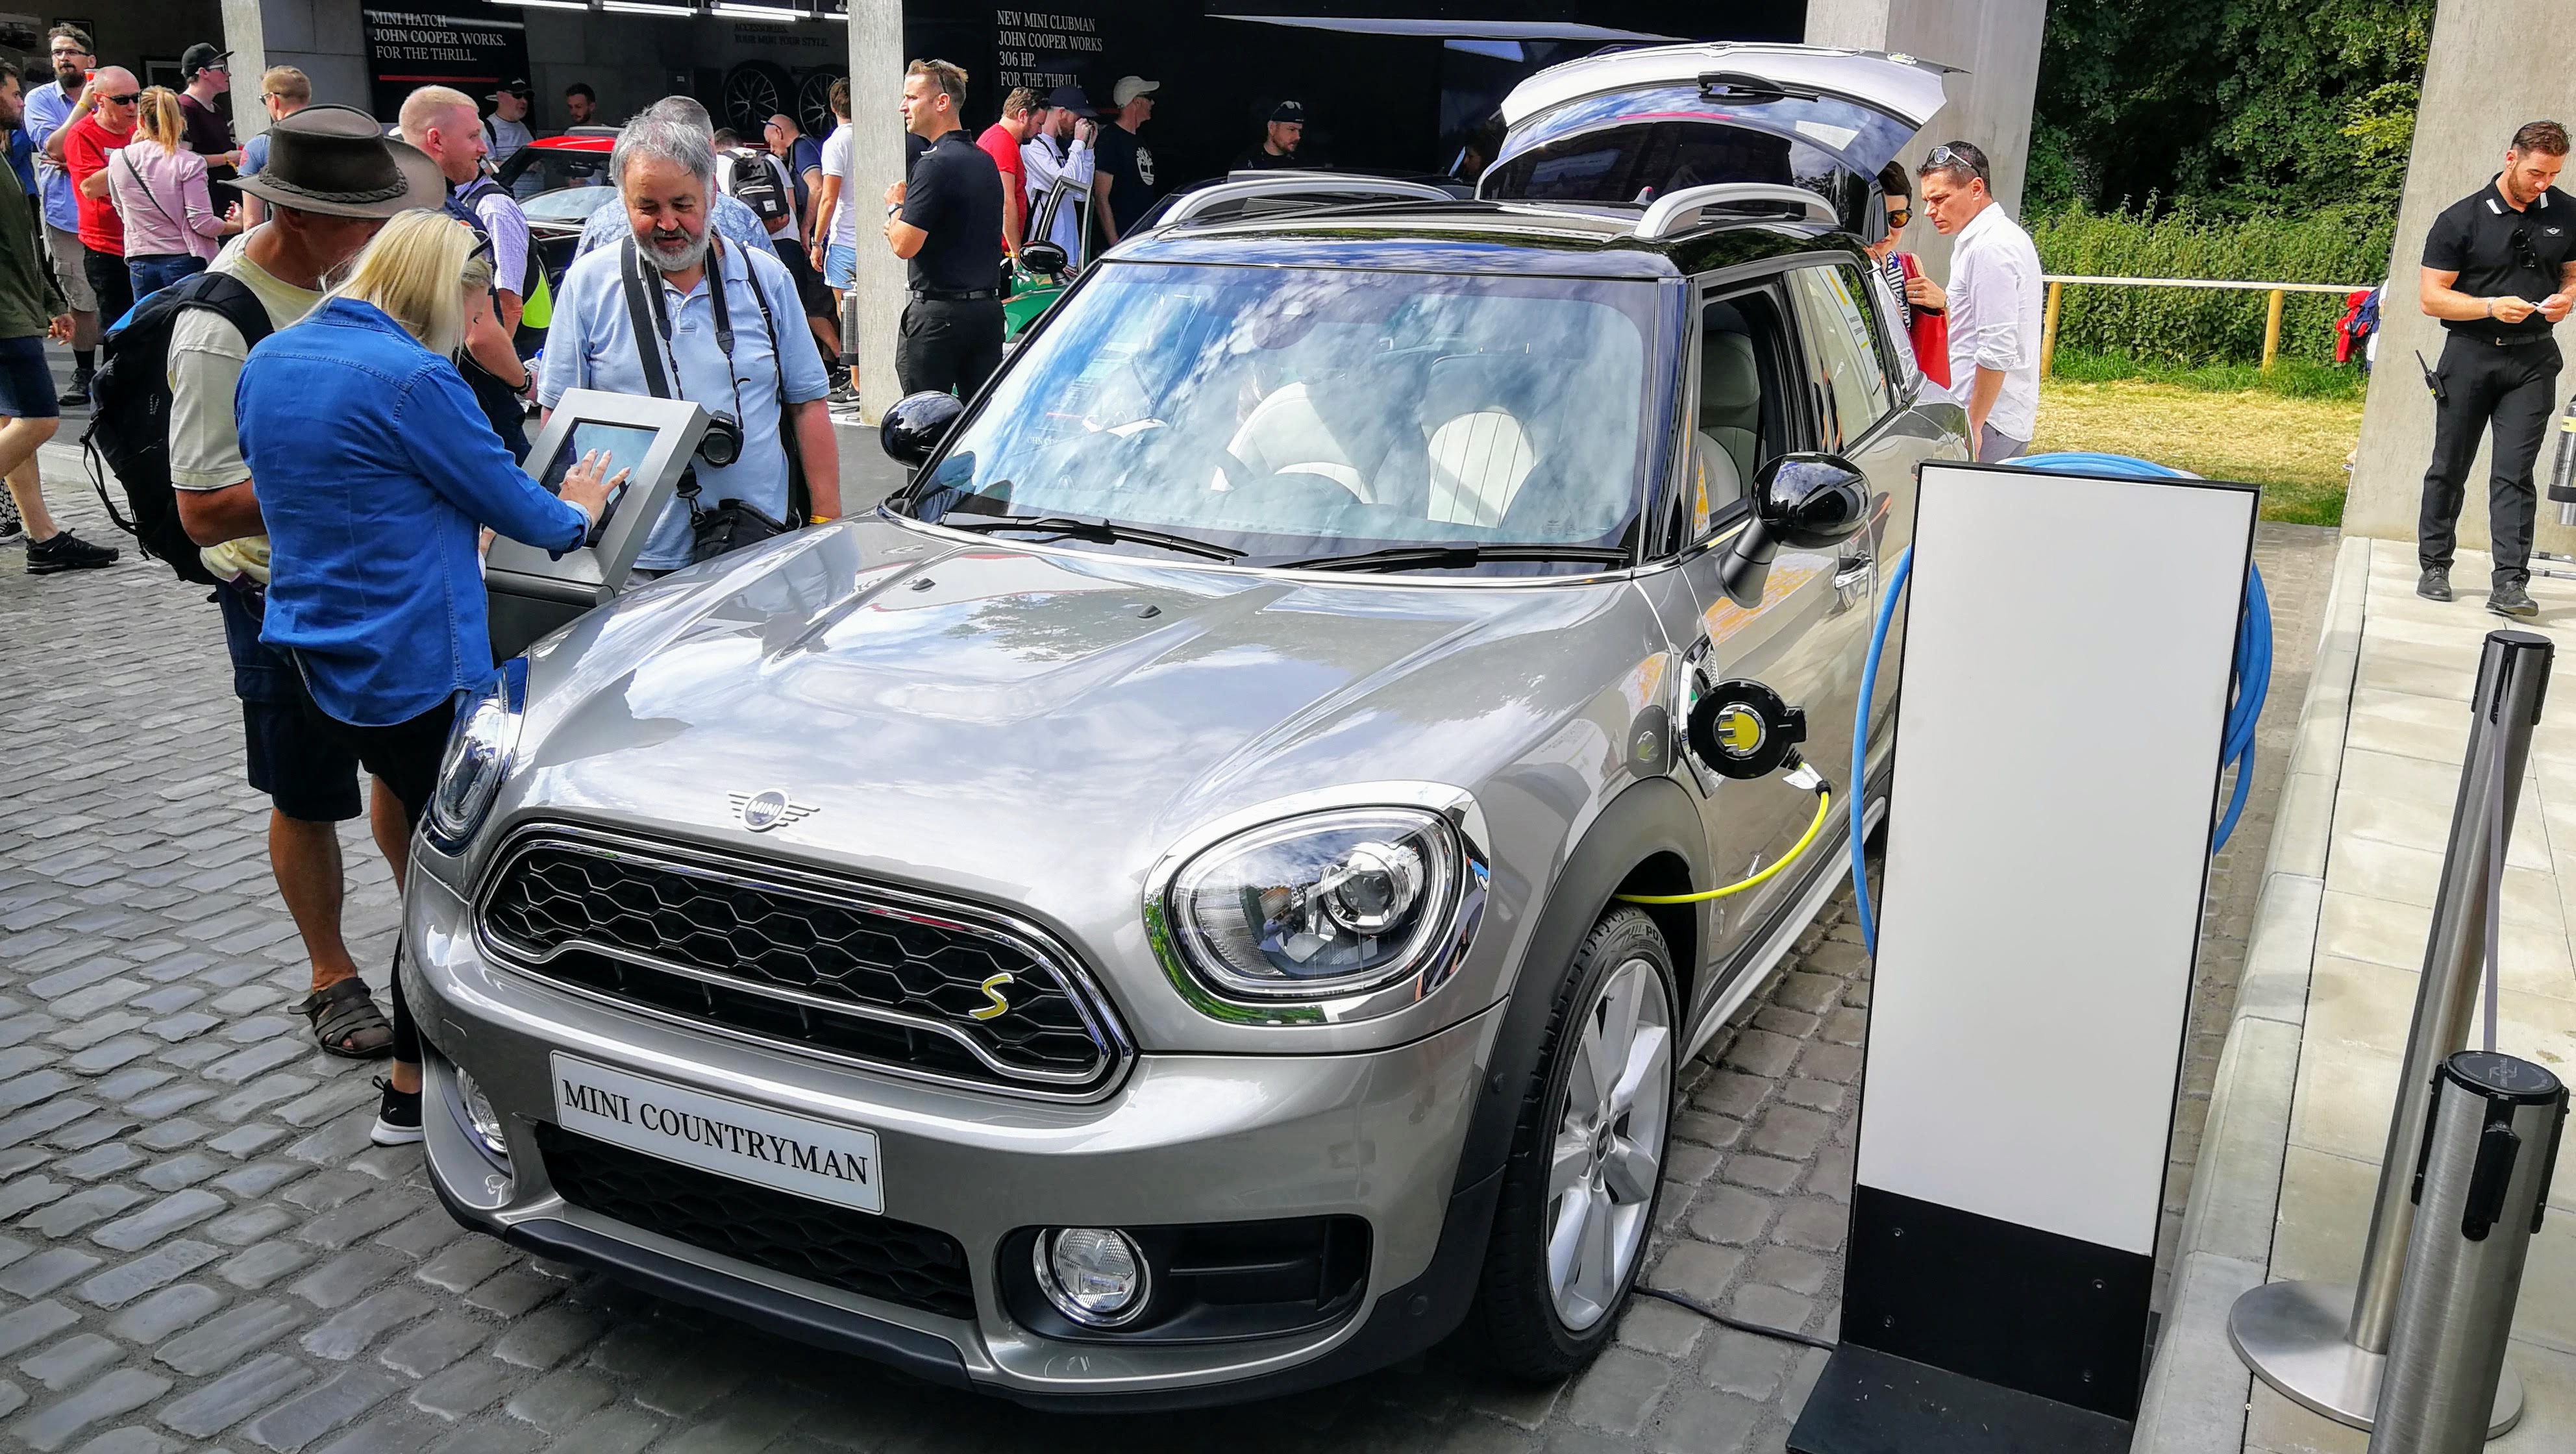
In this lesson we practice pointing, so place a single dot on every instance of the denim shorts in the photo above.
(293, 754)
(26, 381)
(841, 266)
(153, 272)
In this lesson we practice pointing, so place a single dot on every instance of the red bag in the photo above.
(1930, 331)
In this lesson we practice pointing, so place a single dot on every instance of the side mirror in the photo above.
(916, 424)
(1805, 501)
(1046, 259)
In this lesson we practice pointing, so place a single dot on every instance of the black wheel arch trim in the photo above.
(1654, 816)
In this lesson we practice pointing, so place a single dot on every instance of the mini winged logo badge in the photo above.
(761, 812)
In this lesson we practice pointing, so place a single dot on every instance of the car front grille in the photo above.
(797, 959)
(860, 1252)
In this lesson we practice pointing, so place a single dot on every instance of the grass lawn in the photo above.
(2292, 445)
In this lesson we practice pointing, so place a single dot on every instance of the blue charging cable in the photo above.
(2253, 676)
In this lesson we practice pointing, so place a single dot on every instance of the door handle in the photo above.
(1851, 580)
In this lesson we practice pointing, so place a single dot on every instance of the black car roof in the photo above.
(1581, 240)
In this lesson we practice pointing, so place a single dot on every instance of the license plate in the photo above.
(751, 1143)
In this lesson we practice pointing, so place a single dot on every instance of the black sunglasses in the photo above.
(2524, 253)
(128, 99)
(1899, 216)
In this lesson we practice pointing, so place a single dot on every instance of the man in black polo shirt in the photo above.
(2499, 270)
(946, 220)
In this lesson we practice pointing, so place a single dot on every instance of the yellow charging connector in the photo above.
(1824, 805)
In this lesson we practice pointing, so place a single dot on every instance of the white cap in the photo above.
(1131, 87)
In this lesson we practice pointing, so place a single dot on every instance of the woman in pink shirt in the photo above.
(158, 187)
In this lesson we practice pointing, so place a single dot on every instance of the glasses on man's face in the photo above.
(128, 99)
(66, 53)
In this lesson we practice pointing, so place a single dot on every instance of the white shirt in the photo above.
(1072, 172)
(1994, 318)
(844, 230)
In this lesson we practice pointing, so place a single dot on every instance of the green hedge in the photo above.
(2187, 328)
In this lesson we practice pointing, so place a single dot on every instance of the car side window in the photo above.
(1854, 391)
(1742, 392)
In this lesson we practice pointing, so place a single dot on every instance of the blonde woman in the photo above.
(158, 187)
(376, 471)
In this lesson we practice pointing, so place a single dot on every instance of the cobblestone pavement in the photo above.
(199, 1249)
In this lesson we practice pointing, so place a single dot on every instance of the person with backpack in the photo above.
(751, 176)
(159, 188)
(331, 181)
(358, 415)
(32, 310)
(444, 124)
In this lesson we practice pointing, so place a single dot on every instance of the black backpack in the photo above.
(755, 185)
(129, 427)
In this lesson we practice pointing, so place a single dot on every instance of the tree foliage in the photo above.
(2237, 106)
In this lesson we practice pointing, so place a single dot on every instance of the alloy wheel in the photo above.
(1609, 1148)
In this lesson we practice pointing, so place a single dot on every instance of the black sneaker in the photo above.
(66, 551)
(397, 1116)
(77, 396)
(2434, 584)
(2512, 601)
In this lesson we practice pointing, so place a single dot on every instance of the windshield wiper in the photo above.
(1455, 557)
(1104, 531)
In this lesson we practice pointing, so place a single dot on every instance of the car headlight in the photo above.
(479, 749)
(1321, 906)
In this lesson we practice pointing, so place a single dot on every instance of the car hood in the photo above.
(1039, 726)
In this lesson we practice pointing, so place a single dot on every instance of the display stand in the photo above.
(531, 591)
(2064, 683)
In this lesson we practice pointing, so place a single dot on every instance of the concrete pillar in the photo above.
(1995, 43)
(876, 161)
(2495, 64)
(325, 39)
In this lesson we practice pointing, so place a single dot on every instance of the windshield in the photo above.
(562, 183)
(1290, 413)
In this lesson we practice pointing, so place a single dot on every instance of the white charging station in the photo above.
(2063, 686)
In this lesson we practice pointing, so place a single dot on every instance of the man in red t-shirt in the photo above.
(102, 121)
(1001, 141)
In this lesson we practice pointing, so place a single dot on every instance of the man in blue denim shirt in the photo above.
(665, 171)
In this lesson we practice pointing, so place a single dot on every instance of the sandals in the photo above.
(346, 1021)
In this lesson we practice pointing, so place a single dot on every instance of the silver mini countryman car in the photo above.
(1141, 918)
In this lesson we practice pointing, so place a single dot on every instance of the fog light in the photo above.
(479, 1113)
(1093, 1275)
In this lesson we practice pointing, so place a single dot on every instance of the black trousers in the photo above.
(950, 347)
(110, 279)
(2509, 393)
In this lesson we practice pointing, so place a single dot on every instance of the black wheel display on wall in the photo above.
(814, 99)
(754, 91)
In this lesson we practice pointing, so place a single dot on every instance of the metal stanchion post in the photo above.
(2480, 1183)
(2323, 1345)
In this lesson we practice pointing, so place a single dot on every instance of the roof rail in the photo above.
(1320, 185)
(1676, 212)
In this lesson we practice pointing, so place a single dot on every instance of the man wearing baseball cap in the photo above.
(1282, 129)
(506, 130)
(209, 135)
(1123, 172)
(1058, 162)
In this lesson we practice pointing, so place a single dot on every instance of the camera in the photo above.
(722, 444)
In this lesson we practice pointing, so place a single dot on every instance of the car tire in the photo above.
(814, 100)
(1540, 1319)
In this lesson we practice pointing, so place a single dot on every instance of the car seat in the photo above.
(1730, 398)
(1483, 435)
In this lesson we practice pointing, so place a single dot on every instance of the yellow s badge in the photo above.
(992, 991)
